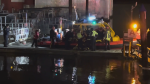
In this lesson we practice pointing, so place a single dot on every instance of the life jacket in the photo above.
(79, 36)
(94, 33)
(108, 36)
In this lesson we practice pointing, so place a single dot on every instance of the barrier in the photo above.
(21, 34)
(127, 43)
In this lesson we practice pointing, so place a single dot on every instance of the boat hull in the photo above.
(99, 45)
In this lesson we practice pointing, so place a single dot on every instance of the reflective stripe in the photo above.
(79, 36)
(94, 33)
(108, 36)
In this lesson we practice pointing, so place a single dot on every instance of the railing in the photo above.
(138, 52)
(16, 25)
(139, 49)
(21, 20)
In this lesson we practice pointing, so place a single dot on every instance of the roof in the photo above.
(3, 14)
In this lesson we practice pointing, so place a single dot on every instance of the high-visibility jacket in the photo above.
(94, 33)
(107, 35)
(79, 36)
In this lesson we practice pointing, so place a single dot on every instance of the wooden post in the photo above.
(124, 54)
(143, 36)
(87, 5)
(130, 45)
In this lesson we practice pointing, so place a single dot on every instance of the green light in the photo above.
(94, 22)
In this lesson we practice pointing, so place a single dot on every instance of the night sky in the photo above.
(122, 14)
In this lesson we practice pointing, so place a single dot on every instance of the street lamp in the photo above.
(132, 10)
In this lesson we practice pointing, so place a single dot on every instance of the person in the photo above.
(68, 38)
(6, 34)
(36, 36)
(94, 33)
(88, 39)
(107, 38)
(80, 43)
(88, 31)
(100, 34)
(52, 37)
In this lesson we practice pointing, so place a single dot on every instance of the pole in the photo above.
(108, 8)
(70, 13)
(26, 20)
(70, 10)
(132, 7)
(131, 12)
(143, 36)
(87, 5)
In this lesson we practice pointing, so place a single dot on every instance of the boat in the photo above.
(115, 43)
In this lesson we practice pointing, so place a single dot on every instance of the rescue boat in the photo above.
(115, 43)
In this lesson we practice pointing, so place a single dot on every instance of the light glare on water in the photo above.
(87, 71)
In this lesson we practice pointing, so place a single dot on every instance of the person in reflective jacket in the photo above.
(80, 43)
(107, 38)
(94, 33)
(6, 34)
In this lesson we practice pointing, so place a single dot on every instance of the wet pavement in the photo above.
(47, 70)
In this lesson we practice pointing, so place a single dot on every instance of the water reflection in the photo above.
(91, 79)
(74, 75)
(1, 63)
(21, 60)
(19, 63)
(89, 71)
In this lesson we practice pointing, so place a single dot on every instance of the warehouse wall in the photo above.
(103, 8)
(16, 4)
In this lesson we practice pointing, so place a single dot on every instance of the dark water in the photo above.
(48, 70)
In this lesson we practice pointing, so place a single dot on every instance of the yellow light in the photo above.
(11, 67)
(135, 26)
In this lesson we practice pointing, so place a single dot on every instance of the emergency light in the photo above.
(134, 25)
(91, 18)
(94, 22)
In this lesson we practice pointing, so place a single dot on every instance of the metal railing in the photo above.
(16, 25)
(21, 20)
